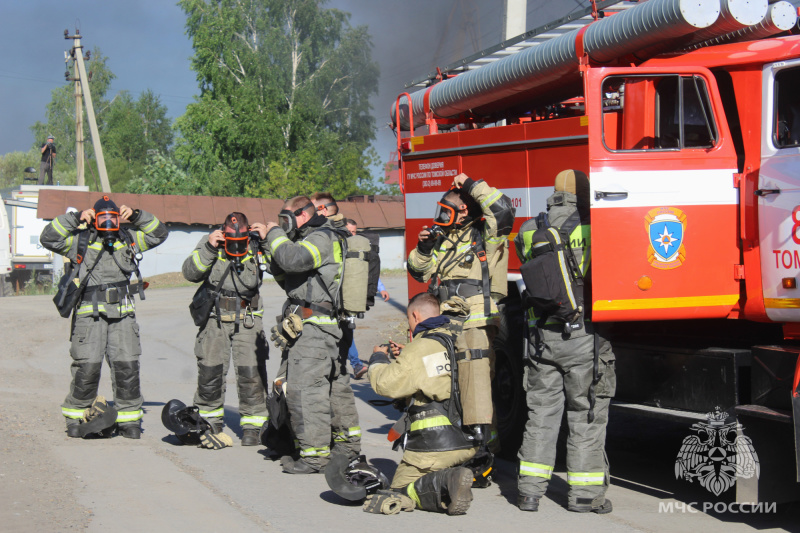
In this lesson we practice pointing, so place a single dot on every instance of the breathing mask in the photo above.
(447, 212)
(237, 240)
(288, 220)
(106, 220)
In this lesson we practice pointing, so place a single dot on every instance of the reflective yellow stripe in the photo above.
(140, 241)
(96, 246)
(352, 432)
(59, 228)
(585, 478)
(151, 226)
(473, 317)
(316, 452)
(535, 470)
(666, 303)
(339, 437)
(277, 241)
(130, 416)
(492, 198)
(322, 320)
(118, 245)
(253, 420)
(314, 251)
(72, 413)
(434, 421)
(216, 413)
(782, 303)
(68, 242)
(197, 263)
(412, 493)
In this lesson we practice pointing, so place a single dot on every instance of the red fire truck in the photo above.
(689, 129)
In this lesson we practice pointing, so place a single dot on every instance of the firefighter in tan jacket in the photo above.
(435, 445)
(465, 254)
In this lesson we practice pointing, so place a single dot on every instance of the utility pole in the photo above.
(79, 157)
(82, 86)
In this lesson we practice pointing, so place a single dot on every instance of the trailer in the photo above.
(686, 118)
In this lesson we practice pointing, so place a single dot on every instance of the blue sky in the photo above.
(146, 47)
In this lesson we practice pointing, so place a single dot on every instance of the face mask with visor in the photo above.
(107, 225)
(237, 240)
(288, 219)
(447, 213)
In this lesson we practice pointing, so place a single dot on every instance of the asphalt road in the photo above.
(49, 482)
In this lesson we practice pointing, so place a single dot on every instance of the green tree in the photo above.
(284, 104)
(163, 176)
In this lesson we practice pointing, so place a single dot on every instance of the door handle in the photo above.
(598, 195)
(767, 192)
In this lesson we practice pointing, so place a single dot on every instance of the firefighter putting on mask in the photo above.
(97, 292)
(465, 255)
(227, 307)
(569, 364)
(307, 262)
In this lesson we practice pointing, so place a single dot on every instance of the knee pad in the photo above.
(209, 382)
(126, 376)
(86, 381)
(251, 388)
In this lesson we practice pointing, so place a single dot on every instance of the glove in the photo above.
(285, 333)
(99, 406)
(215, 441)
(388, 502)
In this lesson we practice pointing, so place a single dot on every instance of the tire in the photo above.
(507, 392)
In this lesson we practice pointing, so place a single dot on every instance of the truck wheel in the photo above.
(507, 393)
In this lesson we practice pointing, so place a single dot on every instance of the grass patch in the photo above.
(168, 280)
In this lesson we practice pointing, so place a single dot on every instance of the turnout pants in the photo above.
(322, 407)
(549, 390)
(116, 340)
(214, 347)
(414, 465)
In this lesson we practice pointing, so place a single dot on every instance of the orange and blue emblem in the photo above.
(666, 231)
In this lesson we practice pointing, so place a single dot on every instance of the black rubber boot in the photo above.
(130, 431)
(591, 507)
(446, 491)
(290, 466)
(528, 503)
(250, 437)
(73, 430)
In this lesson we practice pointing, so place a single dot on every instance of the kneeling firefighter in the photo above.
(436, 443)
(570, 365)
(227, 307)
(465, 255)
(96, 290)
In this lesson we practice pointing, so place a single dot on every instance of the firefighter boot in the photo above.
(528, 503)
(446, 491)
(250, 437)
(130, 431)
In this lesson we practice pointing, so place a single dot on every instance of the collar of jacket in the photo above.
(431, 323)
(316, 222)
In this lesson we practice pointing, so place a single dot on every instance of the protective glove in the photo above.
(388, 502)
(98, 407)
(215, 441)
(285, 333)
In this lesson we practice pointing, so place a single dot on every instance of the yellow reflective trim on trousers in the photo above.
(253, 420)
(432, 422)
(151, 226)
(339, 437)
(412, 493)
(216, 413)
(130, 416)
(199, 264)
(88, 309)
(352, 432)
(492, 198)
(314, 251)
(277, 242)
(535, 470)
(59, 228)
(72, 413)
(585, 478)
(316, 452)
(322, 320)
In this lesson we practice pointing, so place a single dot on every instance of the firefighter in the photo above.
(318, 393)
(465, 254)
(566, 370)
(429, 472)
(103, 322)
(229, 264)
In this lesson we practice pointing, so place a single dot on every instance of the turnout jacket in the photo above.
(450, 260)
(421, 375)
(207, 264)
(61, 237)
(309, 269)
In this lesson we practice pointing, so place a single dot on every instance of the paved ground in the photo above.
(49, 482)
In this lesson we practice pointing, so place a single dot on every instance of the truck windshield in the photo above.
(666, 112)
(787, 108)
